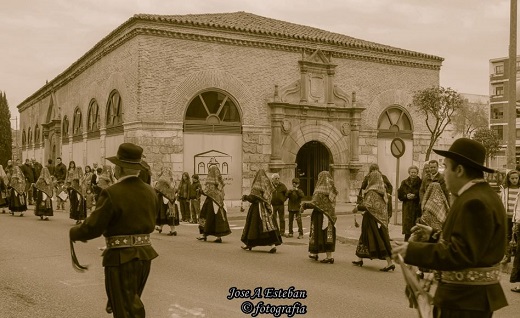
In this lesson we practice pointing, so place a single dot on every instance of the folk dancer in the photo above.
(44, 192)
(167, 211)
(18, 199)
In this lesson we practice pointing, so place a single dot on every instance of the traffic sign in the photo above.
(397, 147)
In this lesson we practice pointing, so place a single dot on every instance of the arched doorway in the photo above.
(312, 158)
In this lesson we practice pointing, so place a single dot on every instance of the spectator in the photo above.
(408, 193)
(60, 171)
(295, 196)
(195, 191)
(277, 201)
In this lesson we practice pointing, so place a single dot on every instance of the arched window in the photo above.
(77, 126)
(395, 122)
(93, 119)
(37, 134)
(65, 129)
(213, 112)
(114, 110)
(29, 137)
(24, 138)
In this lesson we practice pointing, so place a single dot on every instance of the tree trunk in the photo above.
(429, 150)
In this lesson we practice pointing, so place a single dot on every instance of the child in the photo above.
(62, 195)
(91, 201)
(295, 196)
(508, 193)
(195, 191)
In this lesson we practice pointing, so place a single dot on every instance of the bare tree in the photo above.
(470, 117)
(438, 105)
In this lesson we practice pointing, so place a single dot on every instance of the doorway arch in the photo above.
(312, 158)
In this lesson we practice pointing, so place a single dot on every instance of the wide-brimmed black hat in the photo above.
(467, 152)
(128, 156)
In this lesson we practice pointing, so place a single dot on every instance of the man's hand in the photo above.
(422, 231)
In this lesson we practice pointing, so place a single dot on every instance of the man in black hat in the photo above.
(125, 214)
(471, 242)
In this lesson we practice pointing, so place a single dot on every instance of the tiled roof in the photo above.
(251, 23)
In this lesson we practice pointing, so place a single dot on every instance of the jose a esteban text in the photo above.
(269, 292)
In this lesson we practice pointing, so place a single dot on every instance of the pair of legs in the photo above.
(279, 213)
(173, 232)
(298, 216)
(184, 205)
(195, 210)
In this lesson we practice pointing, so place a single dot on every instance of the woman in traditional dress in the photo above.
(71, 172)
(4, 181)
(213, 216)
(167, 213)
(322, 236)
(408, 193)
(374, 241)
(86, 180)
(78, 203)
(44, 191)
(17, 199)
(260, 228)
(104, 180)
(183, 194)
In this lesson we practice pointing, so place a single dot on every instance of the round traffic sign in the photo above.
(397, 147)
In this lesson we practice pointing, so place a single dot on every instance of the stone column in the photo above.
(277, 116)
(102, 145)
(341, 175)
(330, 87)
(85, 149)
(304, 85)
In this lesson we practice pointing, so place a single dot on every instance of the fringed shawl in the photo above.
(18, 180)
(324, 196)
(434, 206)
(263, 188)
(214, 187)
(3, 175)
(375, 198)
(105, 179)
(164, 185)
(44, 182)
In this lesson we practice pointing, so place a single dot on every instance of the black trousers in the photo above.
(124, 285)
(453, 313)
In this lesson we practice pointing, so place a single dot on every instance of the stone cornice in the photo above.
(129, 30)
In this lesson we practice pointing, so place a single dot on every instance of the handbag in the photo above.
(362, 251)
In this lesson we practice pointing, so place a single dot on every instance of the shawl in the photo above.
(3, 175)
(324, 196)
(18, 180)
(164, 185)
(44, 182)
(262, 187)
(434, 206)
(105, 179)
(214, 187)
(375, 198)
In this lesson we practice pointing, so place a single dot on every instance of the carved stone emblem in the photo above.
(286, 126)
(345, 129)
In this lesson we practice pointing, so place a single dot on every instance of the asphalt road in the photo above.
(193, 279)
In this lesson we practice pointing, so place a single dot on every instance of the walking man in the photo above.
(125, 214)
(471, 243)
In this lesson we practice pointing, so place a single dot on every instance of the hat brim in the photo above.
(126, 164)
(462, 160)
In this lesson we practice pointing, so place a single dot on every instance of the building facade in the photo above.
(236, 90)
(499, 105)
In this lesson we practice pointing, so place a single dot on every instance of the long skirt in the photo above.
(17, 202)
(374, 241)
(320, 240)
(165, 216)
(211, 223)
(78, 206)
(43, 207)
(253, 234)
(3, 198)
(515, 271)
(124, 286)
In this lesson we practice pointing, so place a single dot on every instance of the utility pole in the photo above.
(511, 121)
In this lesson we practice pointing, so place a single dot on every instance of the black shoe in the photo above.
(516, 289)
(218, 240)
(358, 263)
(313, 256)
(172, 233)
(272, 250)
(327, 260)
(388, 268)
(245, 247)
(202, 238)
(158, 229)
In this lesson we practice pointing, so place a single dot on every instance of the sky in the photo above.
(41, 38)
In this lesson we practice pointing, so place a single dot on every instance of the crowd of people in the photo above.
(434, 236)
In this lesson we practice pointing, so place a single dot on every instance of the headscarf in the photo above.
(18, 180)
(375, 198)
(262, 186)
(164, 184)
(216, 193)
(44, 182)
(105, 179)
(434, 206)
(324, 196)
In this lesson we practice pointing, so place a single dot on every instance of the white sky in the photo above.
(41, 38)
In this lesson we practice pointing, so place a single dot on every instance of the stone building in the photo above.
(237, 90)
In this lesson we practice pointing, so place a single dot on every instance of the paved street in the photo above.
(193, 279)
